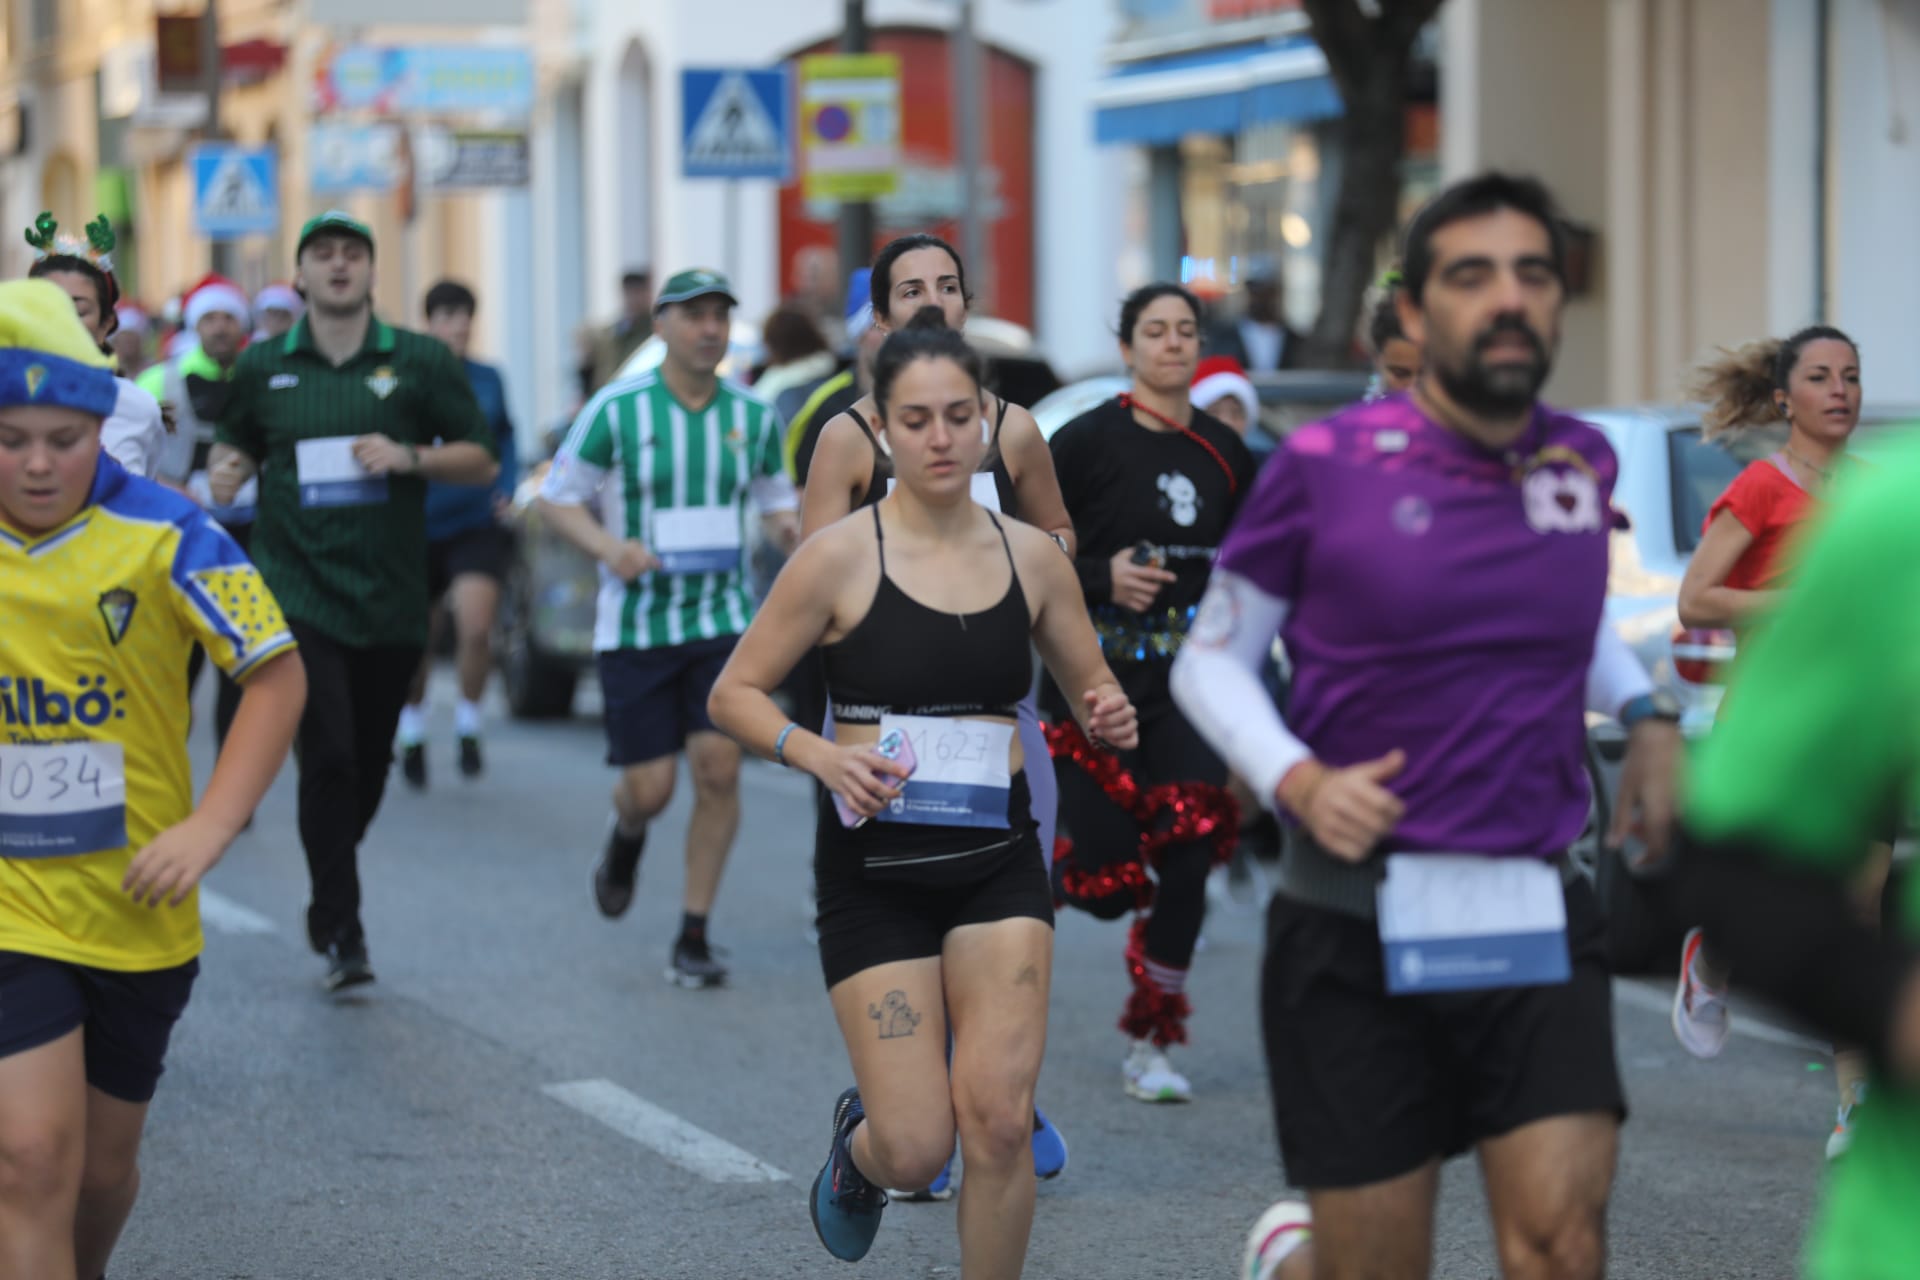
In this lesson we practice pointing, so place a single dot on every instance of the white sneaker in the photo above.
(1701, 1021)
(1842, 1136)
(1151, 1078)
(1283, 1228)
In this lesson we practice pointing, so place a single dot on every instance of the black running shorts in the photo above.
(938, 879)
(127, 1017)
(1368, 1087)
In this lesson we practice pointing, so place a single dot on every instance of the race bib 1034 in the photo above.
(60, 799)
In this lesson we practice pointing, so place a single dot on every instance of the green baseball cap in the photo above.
(697, 283)
(333, 222)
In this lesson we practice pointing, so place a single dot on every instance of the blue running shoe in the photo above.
(1049, 1148)
(845, 1206)
(940, 1189)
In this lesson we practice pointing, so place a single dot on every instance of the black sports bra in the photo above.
(906, 659)
(994, 464)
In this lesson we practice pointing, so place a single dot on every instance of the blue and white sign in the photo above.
(1459, 922)
(60, 799)
(427, 80)
(353, 157)
(236, 190)
(736, 123)
(330, 476)
(960, 775)
(697, 539)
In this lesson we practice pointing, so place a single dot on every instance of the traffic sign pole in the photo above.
(856, 230)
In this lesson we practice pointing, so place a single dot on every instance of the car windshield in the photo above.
(1702, 469)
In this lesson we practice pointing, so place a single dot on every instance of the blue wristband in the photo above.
(780, 743)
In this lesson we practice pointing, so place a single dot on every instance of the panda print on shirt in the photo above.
(1179, 498)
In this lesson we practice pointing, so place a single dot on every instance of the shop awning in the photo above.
(1161, 100)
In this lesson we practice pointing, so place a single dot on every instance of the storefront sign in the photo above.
(404, 80)
(178, 56)
(850, 125)
(470, 159)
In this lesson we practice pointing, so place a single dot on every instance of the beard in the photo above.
(1496, 390)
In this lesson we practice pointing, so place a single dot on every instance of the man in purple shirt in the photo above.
(1435, 978)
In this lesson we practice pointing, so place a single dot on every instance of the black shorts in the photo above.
(128, 1017)
(944, 877)
(1367, 1086)
(483, 551)
(655, 698)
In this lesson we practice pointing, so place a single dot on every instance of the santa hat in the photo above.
(279, 297)
(133, 318)
(216, 294)
(1220, 376)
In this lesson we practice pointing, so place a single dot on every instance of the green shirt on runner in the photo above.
(345, 553)
(678, 480)
(1822, 727)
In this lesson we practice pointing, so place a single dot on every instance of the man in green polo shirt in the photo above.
(672, 457)
(339, 419)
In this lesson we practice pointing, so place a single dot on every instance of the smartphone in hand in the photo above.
(893, 745)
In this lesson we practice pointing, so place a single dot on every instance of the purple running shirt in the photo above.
(1443, 599)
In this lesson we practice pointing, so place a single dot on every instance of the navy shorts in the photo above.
(655, 698)
(483, 551)
(128, 1017)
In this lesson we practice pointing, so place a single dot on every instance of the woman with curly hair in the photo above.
(1740, 569)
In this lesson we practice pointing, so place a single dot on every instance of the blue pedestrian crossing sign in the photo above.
(736, 123)
(236, 190)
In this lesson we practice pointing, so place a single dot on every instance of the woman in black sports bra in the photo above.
(850, 467)
(1152, 485)
(933, 900)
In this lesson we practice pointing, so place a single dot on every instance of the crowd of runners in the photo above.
(306, 508)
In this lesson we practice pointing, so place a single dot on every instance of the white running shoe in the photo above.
(1151, 1078)
(1701, 1020)
(1284, 1227)
(1842, 1136)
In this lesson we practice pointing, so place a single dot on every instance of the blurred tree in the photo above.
(1369, 48)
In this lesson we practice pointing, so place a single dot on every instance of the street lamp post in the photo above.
(969, 100)
(856, 216)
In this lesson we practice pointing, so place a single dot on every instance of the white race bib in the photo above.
(330, 476)
(1461, 922)
(697, 539)
(245, 505)
(59, 799)
(985, 491)
(960, 774)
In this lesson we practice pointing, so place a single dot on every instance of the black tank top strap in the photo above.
(999, 420)
(1002, 531)
(879, 539)
(882, 464)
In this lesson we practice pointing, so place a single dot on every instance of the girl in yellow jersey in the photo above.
(107, 582)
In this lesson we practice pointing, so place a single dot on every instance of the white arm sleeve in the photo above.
(1216, 683)
(571, 481)
(1616, 676)
(774, 493)
(134, 436)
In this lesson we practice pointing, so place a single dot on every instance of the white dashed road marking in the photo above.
(223, 914)
(690, 1147)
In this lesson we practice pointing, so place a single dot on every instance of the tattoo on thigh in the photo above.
(895, 1016)
(1028, 976)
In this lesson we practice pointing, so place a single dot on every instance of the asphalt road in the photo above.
(498, 1105)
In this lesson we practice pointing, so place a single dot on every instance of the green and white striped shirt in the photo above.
(643, 453)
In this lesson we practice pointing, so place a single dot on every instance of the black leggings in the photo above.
(1104, 834)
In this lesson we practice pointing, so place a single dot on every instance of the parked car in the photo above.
(1669, 478)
